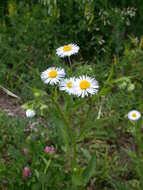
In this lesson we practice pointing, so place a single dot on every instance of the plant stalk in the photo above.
(68, 128)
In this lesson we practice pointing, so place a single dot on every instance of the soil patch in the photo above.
(10, 105)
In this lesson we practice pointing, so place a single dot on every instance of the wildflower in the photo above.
(30, 113)
(86, 85)
(26, 173)
(52, 75)
(134, 115)
(49, 150)
(67, 50)
(68, 85)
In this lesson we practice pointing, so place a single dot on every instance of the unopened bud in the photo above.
(131, 87)
(26, 173)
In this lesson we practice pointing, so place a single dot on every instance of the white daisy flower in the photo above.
(67, 50)
(134, 115)
(30, 113)
(68, 85)
(52, 75)
(86, 85)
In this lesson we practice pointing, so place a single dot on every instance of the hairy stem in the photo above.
(68, 128)
(69, 59)
(65, 125)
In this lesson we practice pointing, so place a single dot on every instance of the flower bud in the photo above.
(131, 87)
(30, 113)
(123, 85)
(26, 173)
(75, 169)
(36, 94)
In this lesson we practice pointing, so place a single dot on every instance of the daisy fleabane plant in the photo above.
(67, 50)
(85, 86)
(53, 75)
(68, 85)
(134, 115)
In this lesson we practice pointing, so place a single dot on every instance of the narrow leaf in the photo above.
(9, 93)
(90, 169)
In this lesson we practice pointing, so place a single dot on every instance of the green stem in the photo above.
(107, 81)
(68, 128)
(69, 59)
(84, 122)
(43, 186)
(73, 147)
(139, 140)
(65, 125)
(138, 136)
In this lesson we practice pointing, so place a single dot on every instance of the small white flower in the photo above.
(68, 85)
(52, 75)
(30, 113)
(86, 85)
(134, 115)
(67, 50)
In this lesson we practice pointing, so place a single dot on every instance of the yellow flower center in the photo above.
(67, 48)
(134, 114)
(52, 74)
(84, 84)
(69, 84)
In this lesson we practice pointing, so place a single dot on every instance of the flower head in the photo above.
(67, 50)
(68, 85)
(26, 173)
(30, 113)
(49, 150)
(134, 115)
(86, 85)
(52, 75)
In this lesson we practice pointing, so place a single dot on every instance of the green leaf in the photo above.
(77, 178)
(2, 165)
(90, 169)
(36, 186)
(37, 174)
(47, 164)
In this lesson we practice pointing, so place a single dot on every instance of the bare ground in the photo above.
(10, 105)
